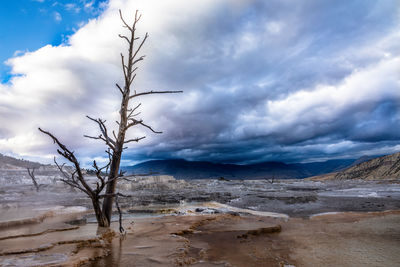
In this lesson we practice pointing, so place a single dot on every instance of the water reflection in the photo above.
(115, 253)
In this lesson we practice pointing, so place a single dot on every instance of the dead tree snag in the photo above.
(32, 175)
(108, 175)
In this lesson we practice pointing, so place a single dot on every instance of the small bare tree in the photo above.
(108, 175)
(32, 175)
(272, 179)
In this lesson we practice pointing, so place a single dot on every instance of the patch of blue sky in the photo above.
(27, 25)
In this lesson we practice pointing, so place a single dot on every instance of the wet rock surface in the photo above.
(346, 239)
(294, 197)
(52, 241)
(299, 198)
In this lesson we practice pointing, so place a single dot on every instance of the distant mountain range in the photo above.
(384, 167)
(10, 163)
(11, 168)
(182, 169)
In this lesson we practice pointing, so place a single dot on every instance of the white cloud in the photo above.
(325, 102)
(274, 27)
(57, 16)
(60, 85)
(301, 111)
(72, 7)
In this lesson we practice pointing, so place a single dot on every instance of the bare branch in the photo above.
(110, 180)
(140, 122)
(109, 154)
(133, 110)
(154, 92)
(134, 139)
(136, 18)
(121, 229)
(137, 60)
(149, 127)
(131, 80)
(120, 89)
(74, 185)
(123, 21)
(140, 46)
(124, 37)
(124, 67)
(69, 179)
(99, 187)
(93, 137)
(66, 153)
(109, 141)
(61, 169)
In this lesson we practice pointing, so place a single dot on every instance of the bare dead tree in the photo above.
(32, 175)
(272, 179)
(108, 175)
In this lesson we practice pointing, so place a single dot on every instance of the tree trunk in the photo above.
(110, 190)
(114, 171)
(116, 156)
(100, 217)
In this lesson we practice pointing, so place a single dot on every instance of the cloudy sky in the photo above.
(294, 81)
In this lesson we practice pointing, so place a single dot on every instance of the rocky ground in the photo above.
(345, 239)
(205, 223)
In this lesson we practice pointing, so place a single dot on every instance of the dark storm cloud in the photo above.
(262, 80)
(236, 61)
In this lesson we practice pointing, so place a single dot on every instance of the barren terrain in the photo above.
(172, 222)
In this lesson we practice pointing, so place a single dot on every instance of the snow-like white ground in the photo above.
(292, 197)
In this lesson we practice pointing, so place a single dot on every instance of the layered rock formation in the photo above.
(386, 167)
(157, 182)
